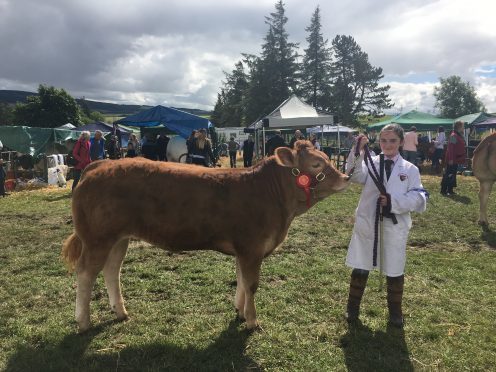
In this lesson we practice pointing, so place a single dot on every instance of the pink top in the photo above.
(411, 141)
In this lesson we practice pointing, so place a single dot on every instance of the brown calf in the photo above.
(170, 205)
(484, 168)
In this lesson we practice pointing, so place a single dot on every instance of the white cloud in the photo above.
(174, 53)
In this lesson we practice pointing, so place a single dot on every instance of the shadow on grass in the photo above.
(366, 350)
(53, 198)
(489, 236)
(461, 199)
(227, 352)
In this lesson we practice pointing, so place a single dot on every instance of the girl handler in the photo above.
(404, 194)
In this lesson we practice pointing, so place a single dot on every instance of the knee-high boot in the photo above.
(394, 299)
(357, 287)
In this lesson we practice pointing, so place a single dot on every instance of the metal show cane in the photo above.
(381, 226)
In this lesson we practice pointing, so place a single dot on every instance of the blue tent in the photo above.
(173, 119)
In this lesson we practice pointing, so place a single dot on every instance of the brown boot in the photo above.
(357, 287)
(394, 298)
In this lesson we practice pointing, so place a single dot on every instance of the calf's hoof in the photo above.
(483, 224)
(122, 318)
(252, 325)
(83, 328)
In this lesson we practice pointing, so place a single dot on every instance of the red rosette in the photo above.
(303, 181)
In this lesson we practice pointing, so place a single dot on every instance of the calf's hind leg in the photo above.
(250, 276)
(239, 301)
(90, 263)
(484, 191)
(111, 274)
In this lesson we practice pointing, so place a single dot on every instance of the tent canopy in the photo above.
(490, 122)
(294, 113)
(34, 141)
(330, 129)
(421, 120)
(101, 126)
(472, 119)
(173, 119)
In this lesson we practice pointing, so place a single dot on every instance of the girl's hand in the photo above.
(362, 138)
(383, 200)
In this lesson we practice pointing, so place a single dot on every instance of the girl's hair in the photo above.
(396, 128)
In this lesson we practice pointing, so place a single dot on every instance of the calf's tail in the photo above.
(71, 250)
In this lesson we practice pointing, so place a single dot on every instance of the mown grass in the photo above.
(181, 309)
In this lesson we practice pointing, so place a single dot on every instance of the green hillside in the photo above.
(113, 109)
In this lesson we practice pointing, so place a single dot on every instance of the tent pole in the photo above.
(263, 140)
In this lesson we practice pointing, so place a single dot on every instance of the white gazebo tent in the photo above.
(292, 113)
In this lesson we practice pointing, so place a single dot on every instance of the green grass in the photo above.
(181, 305)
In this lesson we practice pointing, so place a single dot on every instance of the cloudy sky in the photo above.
(174, 52)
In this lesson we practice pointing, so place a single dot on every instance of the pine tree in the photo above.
(315, 84)
(273, 74)
(355, 82)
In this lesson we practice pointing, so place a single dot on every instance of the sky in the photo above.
(175, 53)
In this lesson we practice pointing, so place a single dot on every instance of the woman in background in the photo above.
(81, 153)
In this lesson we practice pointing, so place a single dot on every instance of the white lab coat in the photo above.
(404, 178)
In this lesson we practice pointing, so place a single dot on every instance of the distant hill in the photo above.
(14, 96)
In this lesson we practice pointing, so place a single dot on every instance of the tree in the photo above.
(355, 82)
(273, 74)
(229, 109)
(456, 98)
(49, 109)
(6, 114)
(316, 67)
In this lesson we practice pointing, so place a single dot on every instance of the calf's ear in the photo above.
(285, 157)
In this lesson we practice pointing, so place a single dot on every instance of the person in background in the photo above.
(97, 146)
(297, 136)
(113, 149)
(455, 156)
(248, 147)
(232, 147)
(136, 144)
(149, 148)
(315, 143)
(131, 152)
(410, 146)
(202, 151)
(373, 144)
(162, 142)
(274, 142)
(3, 176)
(438, 150)
(81, 153)
(190, 146)
(404, 194)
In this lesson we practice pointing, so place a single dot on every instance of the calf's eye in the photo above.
(316, 165)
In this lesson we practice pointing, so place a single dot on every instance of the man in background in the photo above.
(274, 142)
(248, 147)
(297, 136)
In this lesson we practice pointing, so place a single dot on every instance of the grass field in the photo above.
(181, 305)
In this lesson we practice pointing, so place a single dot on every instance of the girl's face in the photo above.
(390, 143)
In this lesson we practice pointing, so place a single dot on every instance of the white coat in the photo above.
(403, 186)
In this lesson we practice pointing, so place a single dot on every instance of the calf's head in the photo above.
(322, 178)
